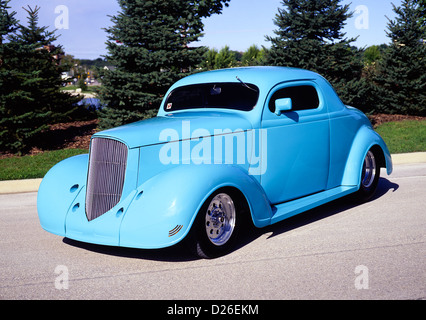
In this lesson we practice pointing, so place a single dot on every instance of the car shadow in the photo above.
(176, 253)
(322, 212)
(180, 253)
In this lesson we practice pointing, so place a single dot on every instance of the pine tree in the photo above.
(30, 96)
(150, 47)
(12, 82)
(402, 69)
(309, 36)
(8, 23)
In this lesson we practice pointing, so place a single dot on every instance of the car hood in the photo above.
(175, 127)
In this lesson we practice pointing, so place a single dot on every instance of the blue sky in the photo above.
(242, 24)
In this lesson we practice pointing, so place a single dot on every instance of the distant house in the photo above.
(66, 76)
(111, 68)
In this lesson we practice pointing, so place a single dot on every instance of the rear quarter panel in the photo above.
(351, 136)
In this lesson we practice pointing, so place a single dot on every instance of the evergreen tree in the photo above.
(309, 36)
(30, 81)
(8, 23)
(150, 47)
(12, 82)
(402, 70)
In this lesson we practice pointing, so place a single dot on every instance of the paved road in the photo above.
(339, 251)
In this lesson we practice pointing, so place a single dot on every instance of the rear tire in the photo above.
(369, 177)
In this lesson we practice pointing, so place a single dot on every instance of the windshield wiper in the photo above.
(245, 85)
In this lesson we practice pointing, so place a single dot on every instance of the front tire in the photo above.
(217, 225)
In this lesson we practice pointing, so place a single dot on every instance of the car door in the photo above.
(298, 142)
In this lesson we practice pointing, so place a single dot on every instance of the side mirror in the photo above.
(282, 105)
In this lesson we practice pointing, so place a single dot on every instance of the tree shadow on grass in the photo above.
(67, 135)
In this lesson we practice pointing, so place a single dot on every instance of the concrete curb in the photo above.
(19, 186)
(406, 158)
(32, 185)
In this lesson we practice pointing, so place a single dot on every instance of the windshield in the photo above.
(235, 96)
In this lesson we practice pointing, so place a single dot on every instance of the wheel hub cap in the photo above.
(220, 219)
(368, 170)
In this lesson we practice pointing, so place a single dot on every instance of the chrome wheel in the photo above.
(220, 219)
(368, 170)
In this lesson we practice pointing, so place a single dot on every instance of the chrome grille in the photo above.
(107, 168)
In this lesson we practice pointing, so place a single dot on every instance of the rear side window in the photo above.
(302, 97)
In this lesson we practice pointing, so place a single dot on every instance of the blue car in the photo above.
(259, 144)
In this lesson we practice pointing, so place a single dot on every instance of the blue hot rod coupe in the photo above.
(262, 143)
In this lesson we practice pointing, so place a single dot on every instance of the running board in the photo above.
(288, 209)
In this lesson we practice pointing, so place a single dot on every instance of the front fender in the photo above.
(57, 191)
(364, 140)
(164, 207)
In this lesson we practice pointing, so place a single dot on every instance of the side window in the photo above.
(303, 97)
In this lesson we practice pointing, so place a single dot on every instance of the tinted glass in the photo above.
(302, 97)
(215, 95)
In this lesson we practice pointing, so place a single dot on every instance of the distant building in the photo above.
(111, 68)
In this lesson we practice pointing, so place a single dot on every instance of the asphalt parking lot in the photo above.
(341, 250)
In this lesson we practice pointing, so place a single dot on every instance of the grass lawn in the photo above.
(404, 136)
(400, 137)
(90, 89)
(34, 166)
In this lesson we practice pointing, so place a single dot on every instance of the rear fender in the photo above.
(365, 139)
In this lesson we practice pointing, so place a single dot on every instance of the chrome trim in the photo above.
(105, 179)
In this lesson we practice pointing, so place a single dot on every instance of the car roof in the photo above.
(263, 77)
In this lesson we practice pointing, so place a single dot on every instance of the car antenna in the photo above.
(245, 85)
